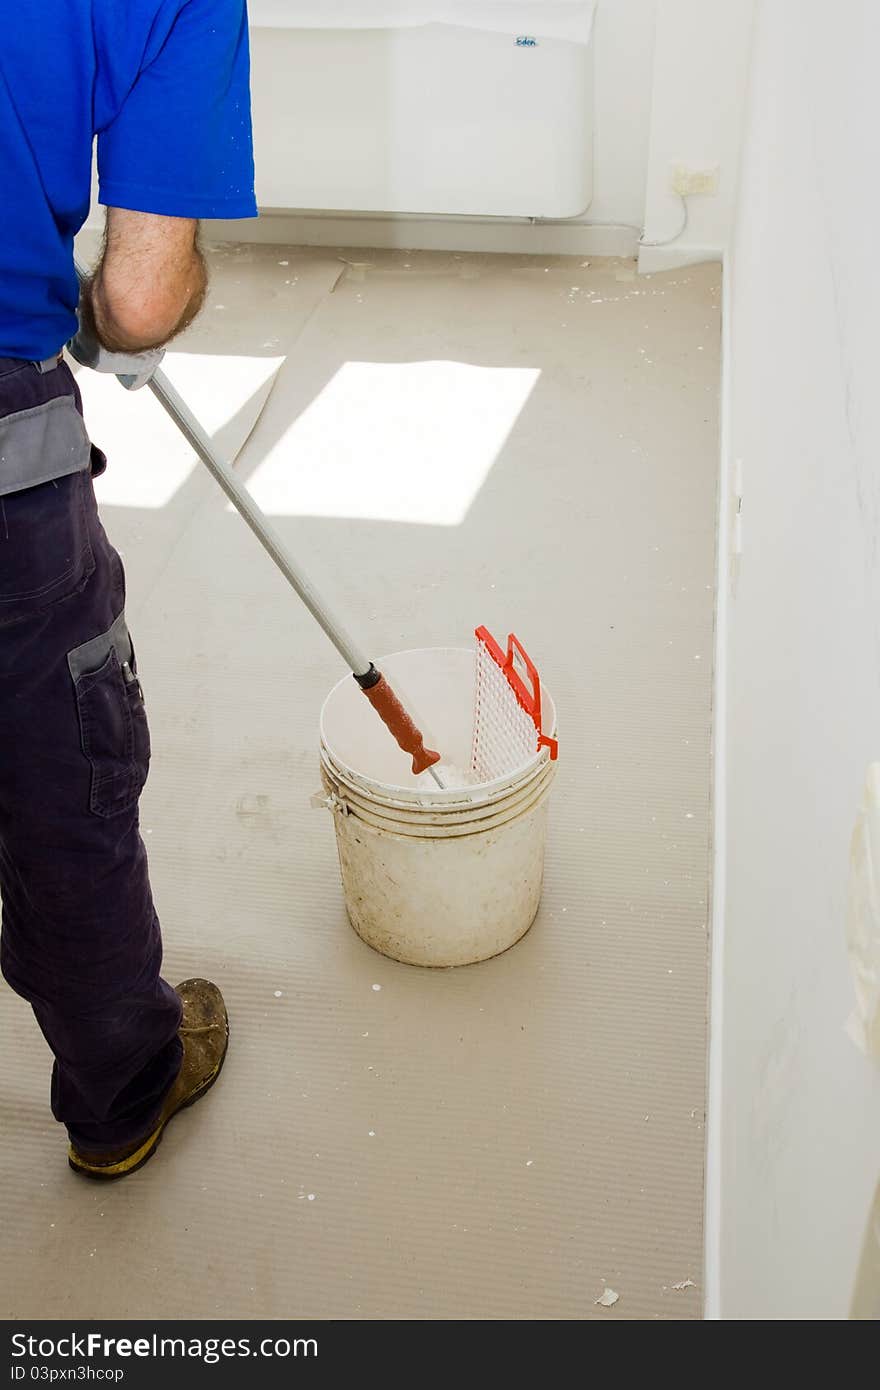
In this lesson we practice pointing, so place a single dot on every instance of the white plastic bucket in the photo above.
(432, 877)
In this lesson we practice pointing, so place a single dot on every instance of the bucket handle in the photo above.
(329, 801)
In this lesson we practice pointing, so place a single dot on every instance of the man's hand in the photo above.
(133, 369)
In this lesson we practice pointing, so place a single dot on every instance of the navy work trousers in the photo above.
(80, 936)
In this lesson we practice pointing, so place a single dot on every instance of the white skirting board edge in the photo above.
(281, 227)
(573, 238)
(674, 256)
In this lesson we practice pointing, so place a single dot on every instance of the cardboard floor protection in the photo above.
(445, 440)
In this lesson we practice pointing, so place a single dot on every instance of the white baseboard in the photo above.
(279, 227)
(573, 238)
(673, 257)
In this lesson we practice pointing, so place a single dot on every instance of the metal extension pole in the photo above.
(262, 528)
(271, 542)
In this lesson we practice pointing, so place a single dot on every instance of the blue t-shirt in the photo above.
(163, 84)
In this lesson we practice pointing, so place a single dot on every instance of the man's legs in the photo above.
(80, 937)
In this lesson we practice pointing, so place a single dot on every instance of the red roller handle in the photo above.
(399, 724)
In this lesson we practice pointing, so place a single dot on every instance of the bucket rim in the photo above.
(429, 819)
(406, 832)
(467, 799)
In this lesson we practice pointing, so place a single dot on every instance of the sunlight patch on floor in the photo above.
(395, 441)
(149, 460)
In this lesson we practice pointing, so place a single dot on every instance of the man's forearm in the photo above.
(143, 295)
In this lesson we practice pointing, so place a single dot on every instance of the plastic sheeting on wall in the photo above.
(549, 19)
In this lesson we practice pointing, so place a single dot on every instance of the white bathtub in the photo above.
(468, 107)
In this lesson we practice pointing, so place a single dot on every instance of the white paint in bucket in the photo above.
(432, 877)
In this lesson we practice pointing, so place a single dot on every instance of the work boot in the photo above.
(204, 1032)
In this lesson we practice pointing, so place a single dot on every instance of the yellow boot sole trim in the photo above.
(140, 1155)
(125, 1165)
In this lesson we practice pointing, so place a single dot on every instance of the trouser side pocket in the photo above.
(113, 723)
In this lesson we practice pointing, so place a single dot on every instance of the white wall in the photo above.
(623, 58)
(669, 83)
(699, 81)
(795, 1108)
